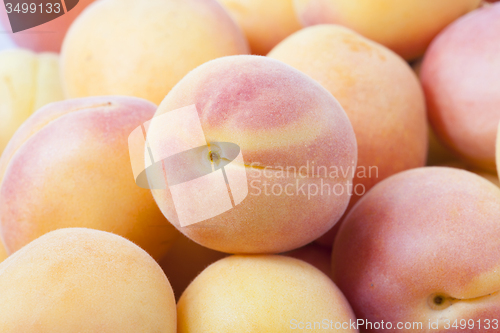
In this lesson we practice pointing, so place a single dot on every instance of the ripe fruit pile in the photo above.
(252, 166)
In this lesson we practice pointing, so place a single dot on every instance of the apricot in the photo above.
(262, 294)
(47, 37)
(423, 246)
(379, 92)
(29, 81)
(406, 27)
(265, 23)
(461, 79)
(293, 178)
(83, 280)
(143, 48)
(69, 166)
(184, 261)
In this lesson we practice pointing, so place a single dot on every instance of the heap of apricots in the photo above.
(367, 136)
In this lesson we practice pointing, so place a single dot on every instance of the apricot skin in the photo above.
(421, 233)
(69, 166)
(260, 294)
(280, 118)
(265, 23)
(379, 92)
(406, 27)
(83, 280)
(143, 48)
(29, 81)
(461, 78)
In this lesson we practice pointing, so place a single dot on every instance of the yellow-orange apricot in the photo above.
(143, 48)
(265, 23)
(265, 294)
(379, 92)
(298, 153)
(28, 82)
(84, 280)
(69, 166)
(407, 27)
